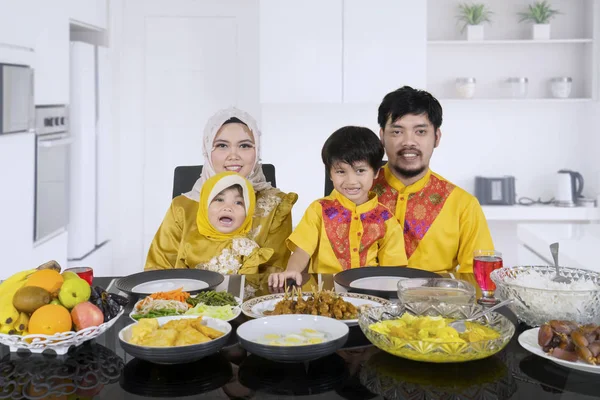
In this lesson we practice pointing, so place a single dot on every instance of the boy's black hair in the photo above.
(352, 144)
(407, 100)
(234, 120)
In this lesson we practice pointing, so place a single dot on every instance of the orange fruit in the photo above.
(50, 319)
(47, 279)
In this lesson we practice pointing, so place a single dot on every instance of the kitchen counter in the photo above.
(541, 213)
(579, 243)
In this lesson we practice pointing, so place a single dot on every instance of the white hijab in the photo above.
(256, 177)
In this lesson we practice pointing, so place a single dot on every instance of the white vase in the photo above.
(474, 32)
(541, 31)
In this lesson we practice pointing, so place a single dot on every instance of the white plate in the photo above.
(255, 329)
(528, 340)
(236, 311)
(385, 283)
(255, 308)
(176, 354)
(251, 332)
(166, 285)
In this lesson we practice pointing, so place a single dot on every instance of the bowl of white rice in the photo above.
(537, 299)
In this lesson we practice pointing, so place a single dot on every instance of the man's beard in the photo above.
(409, 173)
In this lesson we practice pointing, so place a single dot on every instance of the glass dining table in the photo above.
(101, 369)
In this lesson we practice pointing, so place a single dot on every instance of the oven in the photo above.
(16, 99)
(52, 163)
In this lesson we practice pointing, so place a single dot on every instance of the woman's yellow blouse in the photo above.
(177, 243)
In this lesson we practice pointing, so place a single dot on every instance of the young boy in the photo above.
(224, 219)
(349, 228)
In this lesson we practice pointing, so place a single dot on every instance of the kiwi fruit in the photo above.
(30, 298)
(50, 265)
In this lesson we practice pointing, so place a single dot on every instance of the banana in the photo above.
(8, 329)
(22, 323)
(8, 312)
(18, 277)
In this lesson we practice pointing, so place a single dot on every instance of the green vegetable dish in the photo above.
(213, 298)
(213, 304)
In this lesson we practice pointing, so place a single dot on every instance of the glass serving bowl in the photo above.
(436, 352)
(535, 306)
(437, 290)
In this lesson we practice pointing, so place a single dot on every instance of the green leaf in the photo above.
(540, 12)
(473, 14)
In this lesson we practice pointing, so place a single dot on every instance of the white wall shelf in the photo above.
(509, 51)
(519, 100)
(506, 42)
(540, 213)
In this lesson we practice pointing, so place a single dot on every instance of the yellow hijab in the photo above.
(210, 189)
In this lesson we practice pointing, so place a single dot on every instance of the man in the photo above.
(443, 224)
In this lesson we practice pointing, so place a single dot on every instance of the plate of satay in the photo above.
(344, 307)
(565, 343)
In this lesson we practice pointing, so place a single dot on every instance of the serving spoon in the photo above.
(557, 278)
(461, 326)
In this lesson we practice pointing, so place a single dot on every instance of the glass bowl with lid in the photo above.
(436, 290)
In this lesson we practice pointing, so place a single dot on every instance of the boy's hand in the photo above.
(278, 279)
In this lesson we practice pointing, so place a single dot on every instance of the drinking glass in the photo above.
(484, 262)
(85, 273)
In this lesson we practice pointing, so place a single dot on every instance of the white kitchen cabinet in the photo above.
(89, 12)
(52, 52)
(300, 51)
(100, 260)
(15, 23)
(17, 163)
(104, 148)
(383, 50)
(53, 249)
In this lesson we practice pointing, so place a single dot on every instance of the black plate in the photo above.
(127, 283)
(345, 278)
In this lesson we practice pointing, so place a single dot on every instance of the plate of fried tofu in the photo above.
(176, 339)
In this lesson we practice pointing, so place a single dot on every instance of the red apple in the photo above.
(85, 315)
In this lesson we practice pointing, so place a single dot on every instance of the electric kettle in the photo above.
(569, 186)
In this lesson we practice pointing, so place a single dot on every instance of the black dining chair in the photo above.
(329, 184)
(186, 175)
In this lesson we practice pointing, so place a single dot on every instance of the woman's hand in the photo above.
(278, 279)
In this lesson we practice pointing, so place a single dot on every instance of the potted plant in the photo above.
(473, 16)
(540, 13)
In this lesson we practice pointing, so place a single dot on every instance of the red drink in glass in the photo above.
(484, 262)
(85, 273)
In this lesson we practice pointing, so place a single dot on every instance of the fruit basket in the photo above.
(59, 342)
(42, 309)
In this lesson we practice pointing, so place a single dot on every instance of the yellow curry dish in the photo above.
(178, 332)
(430, 338)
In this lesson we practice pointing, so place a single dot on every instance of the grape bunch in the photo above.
(109, 303)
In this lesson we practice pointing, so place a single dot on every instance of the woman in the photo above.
(231, 143)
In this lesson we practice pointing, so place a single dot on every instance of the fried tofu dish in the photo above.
(178, 332)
